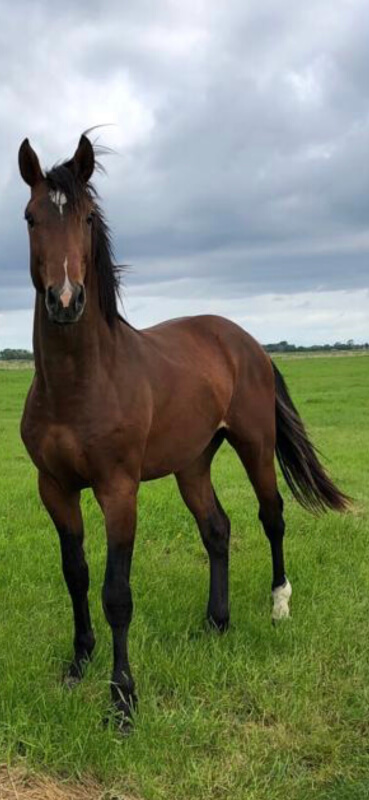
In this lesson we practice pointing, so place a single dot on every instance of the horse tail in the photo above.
(297, 457)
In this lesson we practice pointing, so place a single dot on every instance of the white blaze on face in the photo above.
(67, 288)
(281, 596)
(59, 199)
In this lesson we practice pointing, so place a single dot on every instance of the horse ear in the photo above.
(29, 165)
(83, 161)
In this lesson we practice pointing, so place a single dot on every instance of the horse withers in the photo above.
(111, 406)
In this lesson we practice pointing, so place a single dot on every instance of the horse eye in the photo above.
(29, 218)
(89, 219)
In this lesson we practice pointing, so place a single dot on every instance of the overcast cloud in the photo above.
(241, 180)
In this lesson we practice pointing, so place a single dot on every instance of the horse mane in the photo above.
(62, 178)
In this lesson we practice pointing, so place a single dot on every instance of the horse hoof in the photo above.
(120, 716)
(123, 724)
(217, 624)
(76, 670)
(71, 681)
(119, 721)
(74, 674)
(124, 705)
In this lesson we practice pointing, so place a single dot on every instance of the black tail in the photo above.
(298, 460)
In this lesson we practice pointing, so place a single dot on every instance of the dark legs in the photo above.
(214, 526)
(65, 512)
(118, 501)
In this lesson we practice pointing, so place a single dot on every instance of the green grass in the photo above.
(259, 713)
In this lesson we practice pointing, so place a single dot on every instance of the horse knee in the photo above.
(75, 569)
(215, 532)
(117, 604)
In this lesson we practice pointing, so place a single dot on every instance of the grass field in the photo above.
(257, 714)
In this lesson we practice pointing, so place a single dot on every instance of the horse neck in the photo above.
(71, 355)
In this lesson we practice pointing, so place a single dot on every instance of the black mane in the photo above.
(62, 178)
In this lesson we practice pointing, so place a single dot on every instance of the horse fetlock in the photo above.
(84, 644)
(281, 596)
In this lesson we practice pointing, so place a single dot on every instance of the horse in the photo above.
(111, 406)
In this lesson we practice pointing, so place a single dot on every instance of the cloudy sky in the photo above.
(240, 183)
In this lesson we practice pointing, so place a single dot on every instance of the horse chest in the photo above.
(63, 452)
(57, 450)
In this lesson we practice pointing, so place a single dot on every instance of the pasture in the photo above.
(258, 713)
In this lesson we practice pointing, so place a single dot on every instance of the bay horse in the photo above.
(111, 406)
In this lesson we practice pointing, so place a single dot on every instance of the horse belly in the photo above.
(185, 423)
(164, 461)
(178, 443)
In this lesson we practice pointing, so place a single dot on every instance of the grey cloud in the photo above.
(249, 275)
(252, 176)
(13, 298)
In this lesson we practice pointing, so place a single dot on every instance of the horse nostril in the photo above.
(66, 304)
(52, 298)
(80, 297)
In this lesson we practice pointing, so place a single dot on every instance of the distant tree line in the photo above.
(285, 347)
(274, 347)
(15, 355)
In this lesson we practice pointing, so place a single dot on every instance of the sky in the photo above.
(239, 184)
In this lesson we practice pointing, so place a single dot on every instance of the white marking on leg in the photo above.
(59, 199)
(67, 288)
(281, 596)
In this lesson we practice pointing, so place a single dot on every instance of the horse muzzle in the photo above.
(65, 305)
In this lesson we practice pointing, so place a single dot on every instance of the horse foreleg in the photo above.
(118, 502)
(64, 510)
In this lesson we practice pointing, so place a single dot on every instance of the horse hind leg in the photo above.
(258, 460)
(198, 493)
